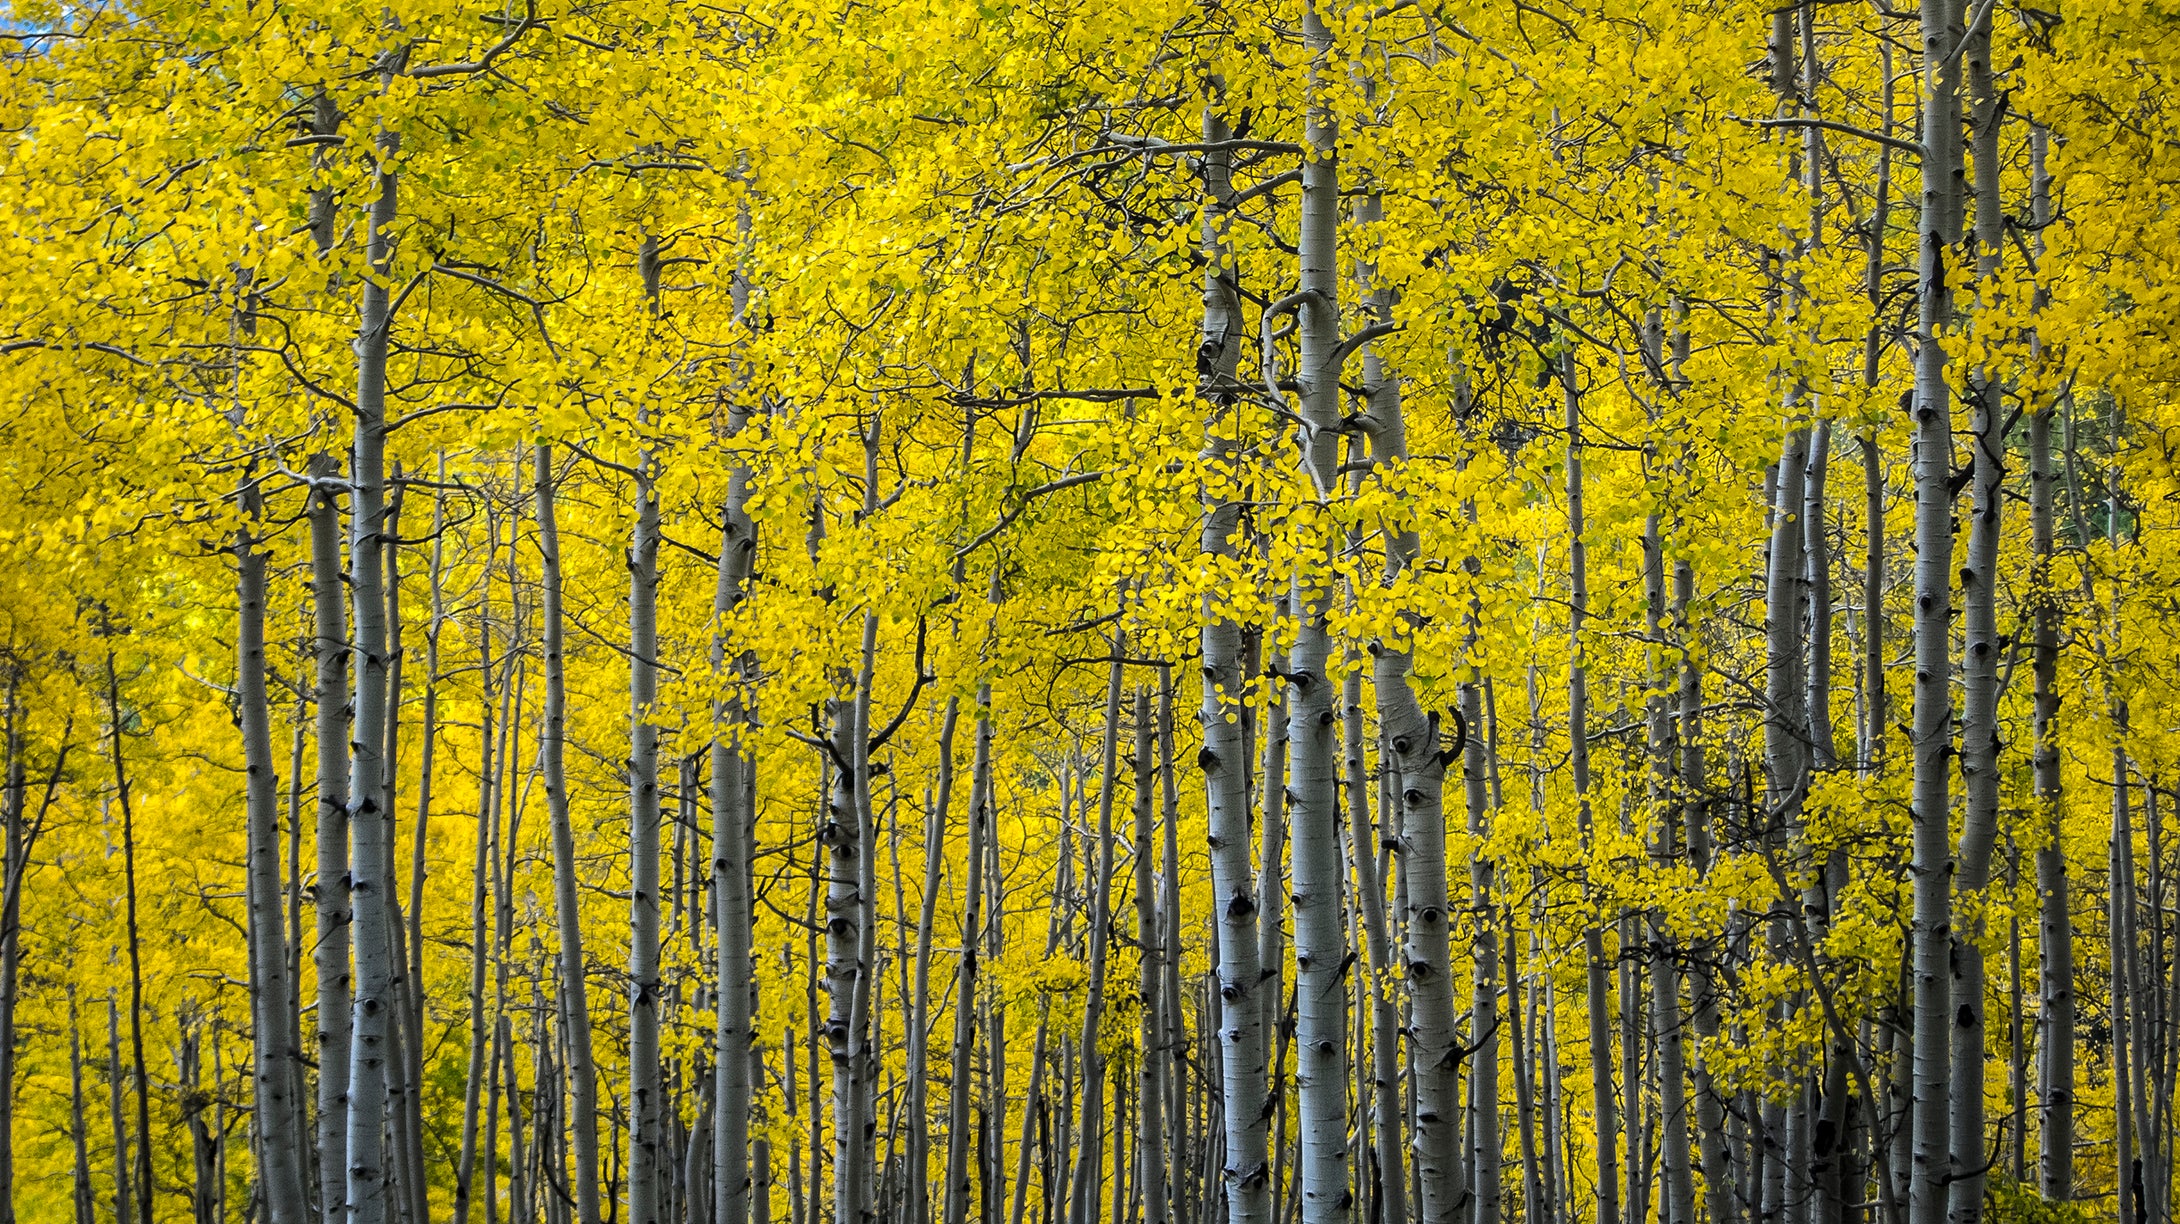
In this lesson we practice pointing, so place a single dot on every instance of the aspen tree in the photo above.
(1932, 737)
(1087, 1181)
(329, 953)
(2055, 924)
(16, 869)
(734, 829)
(965, 982)
(1677, 1204)
(1578, 700)
(473, 1080)
(645, 1091)
(573, 996)
(1979, 744)
(370, 824)
(1224, 757)
(85, 1198)
(940, 802)
(1151, 1151)
(279, 1147)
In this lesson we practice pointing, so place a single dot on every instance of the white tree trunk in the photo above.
(1224, 757)
(329, 894)
(279, 1146)
(574, 978)
(1150, 1149)
(1932, 731)
(2055, 931)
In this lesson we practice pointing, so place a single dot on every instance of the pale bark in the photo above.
(1320, 933)
(480, 886)
(1605, 1108)
(280, 1173)
(1677, 1204)
(1979, 749)
(1033, 1101)
(734, 832)
(919, 1002)
(1932, 732)
(1151, 1136)
(1185, 1135)
(124, 1196)
(329, 892)
(145, 1185)
(1224, 757)
(2055, 929)
(14, 866)
(85, 1199)
(965, 980)
(1384, 1075)
(370, 823)
(646, 1138)
(1088, 1182)
(573, 994)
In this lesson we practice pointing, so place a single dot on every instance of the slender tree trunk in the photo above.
(370, 824)
(1090, 1157)
(1677, 1204)
(299, 1091)
(1184, 1135)
(14, 870)
(1786, 779)
(1151, 1096)
(2055, 929)
(281, 1173)
(965, 980)
(473, 1082)
(1224, 757)
(1933, 718)
(329, 892)
(1488, 1149)
(1384, 1066)
(1272, 937)
(1033, 1100)
(1605, 1107)
(79, 1134)
(1320, 933)
(648, 1144)
(573, 995)
(845, 966)
(2125, 1155)
(124, 1198)
(734, 832)
(919, 1015)
(145, 1187)
(1979, 751)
